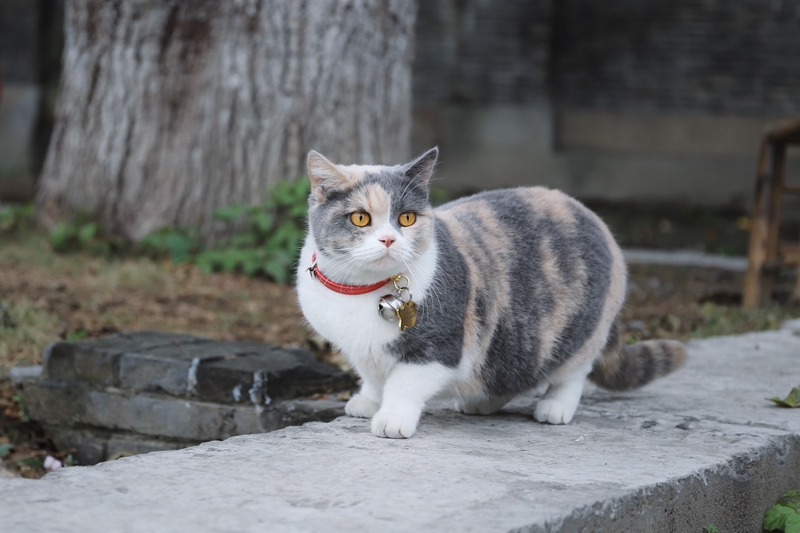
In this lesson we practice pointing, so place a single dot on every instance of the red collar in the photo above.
(351, 290)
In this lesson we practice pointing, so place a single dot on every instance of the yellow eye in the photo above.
(359, 218)
(407, 218)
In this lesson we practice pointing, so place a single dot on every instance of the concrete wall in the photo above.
(655, 157)
(19, 60)
(625, 100)
(31, 40)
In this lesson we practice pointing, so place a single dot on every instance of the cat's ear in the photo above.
(324, 175)
(421, 168)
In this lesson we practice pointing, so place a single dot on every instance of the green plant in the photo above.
(14, 218)
(74, 336)
(5, 449)
(83, 234)
(711, 528)
(180, 244)
(32, 461)
(266, 242)
(24, 417)
(784, 515)
(270, 241)
(437, 196)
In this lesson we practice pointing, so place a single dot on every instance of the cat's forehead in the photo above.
(375, 184)
(371, 196)
(358, 173)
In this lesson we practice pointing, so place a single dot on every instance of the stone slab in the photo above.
(97, 360)
(182, 365)
(265, 377)
(90, 446)
(699, 447)
(58, 404)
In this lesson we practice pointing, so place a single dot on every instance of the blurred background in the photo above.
(152, 152)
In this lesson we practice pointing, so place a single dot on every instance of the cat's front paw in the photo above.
(360, 406)
(553, 412)
(394, 425)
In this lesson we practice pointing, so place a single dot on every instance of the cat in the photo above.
(513, 288)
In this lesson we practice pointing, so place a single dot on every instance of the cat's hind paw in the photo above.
(360, 406)
(485, 406)
(553, 412)
(393, 425)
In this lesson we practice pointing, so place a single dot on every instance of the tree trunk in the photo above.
(171, 109)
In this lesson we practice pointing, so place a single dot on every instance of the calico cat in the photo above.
(512, 288)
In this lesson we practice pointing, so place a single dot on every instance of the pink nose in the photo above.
(387, 241)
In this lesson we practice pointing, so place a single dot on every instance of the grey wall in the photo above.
(482, 52)
(31, 39)
(19, 40)
(643, 100)
(709, 56)
(19, 55)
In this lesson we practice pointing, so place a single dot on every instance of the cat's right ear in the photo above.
(421, 168)
(324, 175)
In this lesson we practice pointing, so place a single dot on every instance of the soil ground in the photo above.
(46, 296)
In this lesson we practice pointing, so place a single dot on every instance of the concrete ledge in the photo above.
(699, 447)
(684, 258)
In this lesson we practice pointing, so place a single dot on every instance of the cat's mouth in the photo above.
(386, 258)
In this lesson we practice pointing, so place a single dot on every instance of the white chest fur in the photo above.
(351, 322)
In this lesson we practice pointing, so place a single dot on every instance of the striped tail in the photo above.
(625, 367)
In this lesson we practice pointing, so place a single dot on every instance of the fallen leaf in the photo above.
(793, 400)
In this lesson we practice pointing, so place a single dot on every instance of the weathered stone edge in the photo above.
(732, 496)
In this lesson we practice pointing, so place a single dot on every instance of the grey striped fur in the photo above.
(628, 367)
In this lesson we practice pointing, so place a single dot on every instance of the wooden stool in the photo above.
(766, 254)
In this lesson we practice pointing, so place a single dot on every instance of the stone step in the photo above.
(183, 365)
(151, 390)
(59, 404)
(699, 447)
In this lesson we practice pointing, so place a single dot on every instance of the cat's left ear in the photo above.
(325, 176)
(421, 168)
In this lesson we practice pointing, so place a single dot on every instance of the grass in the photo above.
(52, 296)
(729, 320)
(31, 329)
(685, 303)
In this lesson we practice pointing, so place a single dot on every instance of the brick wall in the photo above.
(719, 56)
(483, 52)
(723, 56)
(19, 34)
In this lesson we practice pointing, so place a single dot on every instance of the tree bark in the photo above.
(171, 109)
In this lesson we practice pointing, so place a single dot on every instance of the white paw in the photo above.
(360, 406)
(393, 425)
(553, 412)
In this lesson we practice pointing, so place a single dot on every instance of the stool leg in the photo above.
(777, 169)
(796, 295)
(766, 222)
